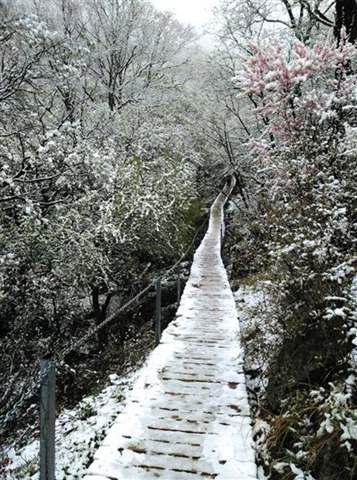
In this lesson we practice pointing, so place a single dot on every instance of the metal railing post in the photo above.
(47, 420)
(158, 312)
(178, 286)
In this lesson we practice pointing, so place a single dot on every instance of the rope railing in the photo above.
(47, 374)
(114, 316)
(226, 191)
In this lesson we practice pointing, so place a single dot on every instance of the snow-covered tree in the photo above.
(92, 194)
(305, 99)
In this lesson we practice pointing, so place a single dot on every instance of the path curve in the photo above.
(188, 415)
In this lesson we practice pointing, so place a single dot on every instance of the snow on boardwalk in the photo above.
(188, 415)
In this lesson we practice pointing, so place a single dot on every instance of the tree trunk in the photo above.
(346, 16)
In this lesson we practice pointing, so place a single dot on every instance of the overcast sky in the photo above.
(196, 12)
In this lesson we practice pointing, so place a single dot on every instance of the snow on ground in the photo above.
(248, 298)
(251, 301)
(78, 434)
(354, 330)
(254, 302)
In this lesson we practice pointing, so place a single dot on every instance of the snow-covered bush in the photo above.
(306, 154)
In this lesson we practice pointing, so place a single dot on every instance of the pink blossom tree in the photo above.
(305, 151)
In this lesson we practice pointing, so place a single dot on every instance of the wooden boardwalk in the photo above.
(188, 415)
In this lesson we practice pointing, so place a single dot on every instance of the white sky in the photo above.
(196, 12)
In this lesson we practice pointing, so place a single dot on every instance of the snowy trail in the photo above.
(188, 414)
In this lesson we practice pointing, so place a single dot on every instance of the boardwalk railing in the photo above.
(47, 378)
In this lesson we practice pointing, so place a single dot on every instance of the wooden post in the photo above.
(178, 286)
(158, 312)
(47, 420)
